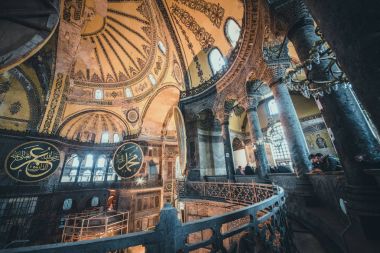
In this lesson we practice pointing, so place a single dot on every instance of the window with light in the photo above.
(232, 30)
(216, 60)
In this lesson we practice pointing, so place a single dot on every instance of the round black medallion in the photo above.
(128, 160)
(32, 161)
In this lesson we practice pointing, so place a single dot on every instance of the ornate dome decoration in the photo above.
(89, 127)
(118, 43)
(26, 26)
(200, 27)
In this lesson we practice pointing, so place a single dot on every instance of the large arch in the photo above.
(157, 108)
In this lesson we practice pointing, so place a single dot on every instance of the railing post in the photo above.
(106, 226)
(170, 229)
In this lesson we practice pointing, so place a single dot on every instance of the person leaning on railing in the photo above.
(324, 163)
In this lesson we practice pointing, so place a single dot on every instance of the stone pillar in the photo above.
(170, 229)
(288, 117)
(351, 29)
(353, 137)
(228, 146)
(255, 128)
(356, 144)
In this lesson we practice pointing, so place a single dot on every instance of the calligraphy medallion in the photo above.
(128, 160)
(32, 161)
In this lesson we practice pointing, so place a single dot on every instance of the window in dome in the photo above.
(98, 94)
(105, 137)
(162, 47)
(152, 79)
(272, 106)
(116, 138)
(232, 30)
(128, 92)
(216, 60)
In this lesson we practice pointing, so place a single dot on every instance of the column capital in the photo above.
(276, 54)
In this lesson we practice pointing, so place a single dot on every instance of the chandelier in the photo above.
(310, 87)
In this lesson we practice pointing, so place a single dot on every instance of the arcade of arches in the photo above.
(105, 105)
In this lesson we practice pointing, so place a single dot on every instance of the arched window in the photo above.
(105, 137)
(98, 94)
(86, 169)
(152, 79)
(216, 60)
(116, 138)
(272, 106)
(67, 204)
(279, 147)
(100, 169)
(71, 169)
(101, 162)
(89, 161)
(161, 47)
(95, 201)
(75, 162)
(111, 175)
(128, 92)
(232, 30)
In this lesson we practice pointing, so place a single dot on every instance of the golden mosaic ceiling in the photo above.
(200, 26)
(118, 43)
(89, 127)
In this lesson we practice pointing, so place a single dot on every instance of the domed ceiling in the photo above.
(90, 126)
(118, 43)
(120, 64)
(200, 25)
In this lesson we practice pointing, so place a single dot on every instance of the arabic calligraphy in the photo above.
(32, 161)
(128, 160)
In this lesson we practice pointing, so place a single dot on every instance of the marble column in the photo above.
(255, 129)
(352, 30)
(288, 117)
(228, 147)
(353, 137)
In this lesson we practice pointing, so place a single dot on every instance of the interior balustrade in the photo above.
(262, 203)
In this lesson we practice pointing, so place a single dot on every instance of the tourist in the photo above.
(248, 170)
(324, 163)
(239, 171)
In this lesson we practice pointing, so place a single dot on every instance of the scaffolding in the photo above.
(94, 224)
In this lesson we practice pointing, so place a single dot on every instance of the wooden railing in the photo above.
(263, 217)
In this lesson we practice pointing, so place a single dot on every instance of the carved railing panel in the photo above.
(262, 218)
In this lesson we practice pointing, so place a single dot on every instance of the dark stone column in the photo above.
(352, 30)
(292, 129)
(357, 146)
(295, 138)
(228, 147)
(353, 137)
(255, 128)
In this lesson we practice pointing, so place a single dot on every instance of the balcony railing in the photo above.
(262, 204)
